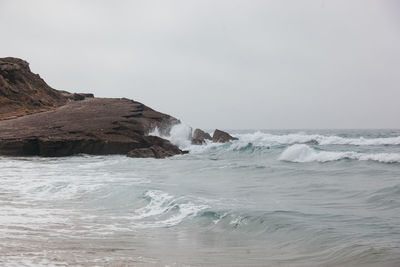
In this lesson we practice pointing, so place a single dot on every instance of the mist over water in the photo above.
(289, 198)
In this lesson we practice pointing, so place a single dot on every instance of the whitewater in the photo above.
(271, 198)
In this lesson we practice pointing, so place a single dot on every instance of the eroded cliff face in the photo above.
(23, 92)
(66, 124)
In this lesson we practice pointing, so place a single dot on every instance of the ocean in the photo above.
(271, 198)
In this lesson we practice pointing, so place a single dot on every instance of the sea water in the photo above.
(271, 198)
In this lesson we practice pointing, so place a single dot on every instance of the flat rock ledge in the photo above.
(97, 126)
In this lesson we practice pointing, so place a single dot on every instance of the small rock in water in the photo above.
(152, 152)
(313, 142)
(199, 137)
(149, 152)
(222, 137)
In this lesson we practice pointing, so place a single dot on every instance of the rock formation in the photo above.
(37, 120)
(23, 92)
(160, 150)
(222, 137)
(199, 137)
(63, 124)
(95, 126)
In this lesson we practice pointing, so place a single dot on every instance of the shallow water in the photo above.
(272, 198)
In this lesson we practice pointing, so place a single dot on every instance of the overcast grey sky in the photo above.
(226, 64)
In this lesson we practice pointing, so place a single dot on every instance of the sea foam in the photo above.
(179, 135)
(164, 210)
(304, 153)
(301, 138)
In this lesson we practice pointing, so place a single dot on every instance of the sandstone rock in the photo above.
(87, 95)
(154, 151)
(222, 137)
(76, 96)
(198, 141)
(199, 137)
(148, 152)
(98, 126)
(198, 133)
(56, 126)
(23, 92)
(37, 120)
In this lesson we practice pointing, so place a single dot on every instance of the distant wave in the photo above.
(304, 153)
(300, 138)
(180, 135)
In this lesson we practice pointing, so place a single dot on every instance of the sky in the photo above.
(224, 63)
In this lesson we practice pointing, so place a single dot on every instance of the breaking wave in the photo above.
(165, 210)
(239, 194)
(181, 134)
(304, 153)
(301, 138)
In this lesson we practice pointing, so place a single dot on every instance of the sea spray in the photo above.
(299, 151)
(179, 135)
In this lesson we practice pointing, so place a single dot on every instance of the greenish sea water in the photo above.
(272, 198)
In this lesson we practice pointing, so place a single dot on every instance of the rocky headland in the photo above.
(37, 120)
(23, 92)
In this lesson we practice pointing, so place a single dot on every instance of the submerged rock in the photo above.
(313, 142)
(198, 141)
(154, 151)
(222, 137)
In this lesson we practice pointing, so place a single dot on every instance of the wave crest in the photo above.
(179, 135)
(301, 138)
(304, 153)
(164, 210)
